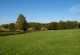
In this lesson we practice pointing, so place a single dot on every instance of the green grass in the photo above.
(60, 42)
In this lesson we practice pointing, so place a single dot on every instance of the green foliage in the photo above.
(30, 29)
(44, 29)
(71, 24)
(36, 26)
(21, 23)
(11, 27)
(4, 26)
(63, 25)
(52, 26)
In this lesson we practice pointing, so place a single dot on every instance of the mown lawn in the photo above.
(58, 42)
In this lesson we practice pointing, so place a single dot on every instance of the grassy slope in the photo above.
(65, 42)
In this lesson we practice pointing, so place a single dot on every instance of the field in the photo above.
(56, 42)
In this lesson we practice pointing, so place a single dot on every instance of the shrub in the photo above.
(44, 29)
(31, 29)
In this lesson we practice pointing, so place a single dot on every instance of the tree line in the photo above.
(22, 25)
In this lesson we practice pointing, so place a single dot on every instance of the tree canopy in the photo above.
(21, 23)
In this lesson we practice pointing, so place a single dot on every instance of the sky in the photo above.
(39, 10)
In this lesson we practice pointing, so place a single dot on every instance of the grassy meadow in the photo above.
(56, 42)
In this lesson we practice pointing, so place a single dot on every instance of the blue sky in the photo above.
(39, 10)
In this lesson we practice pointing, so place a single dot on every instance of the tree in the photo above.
(11, 27)
(21, 23)
(4, 26)
(52, 26)
(61, 25)
(37, 26)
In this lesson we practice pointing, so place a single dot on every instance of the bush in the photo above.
(31, 29)
(44, 29)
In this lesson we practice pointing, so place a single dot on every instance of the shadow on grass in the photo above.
(10, 33)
